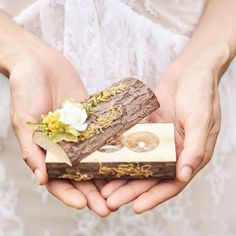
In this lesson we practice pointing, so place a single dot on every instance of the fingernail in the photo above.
(37, 174)
(186, 173)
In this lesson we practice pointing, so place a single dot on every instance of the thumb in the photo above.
(192, 155)
(32, 154)
(74, 88)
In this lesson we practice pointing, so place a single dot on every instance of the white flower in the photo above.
(74, 115)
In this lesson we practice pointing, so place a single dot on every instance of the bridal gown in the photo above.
(107, 40)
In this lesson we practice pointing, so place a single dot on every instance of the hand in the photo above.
(39, 81)
(188, 98)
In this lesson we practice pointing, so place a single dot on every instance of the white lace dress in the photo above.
(107, 40)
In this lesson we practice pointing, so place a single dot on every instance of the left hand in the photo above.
(188, 98)
(38, 84)
(40, 78)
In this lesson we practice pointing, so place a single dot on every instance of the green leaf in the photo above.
(58, 137)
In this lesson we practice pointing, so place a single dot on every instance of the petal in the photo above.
(81, 127)
(73, 115)
(68, 105)
(64, 117)
(83, 116)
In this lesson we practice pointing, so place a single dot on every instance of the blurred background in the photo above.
(205, 208)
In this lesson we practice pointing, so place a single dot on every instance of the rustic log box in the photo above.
(129, 102)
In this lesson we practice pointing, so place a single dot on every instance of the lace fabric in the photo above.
(87, 31)
(180, 16)
(105, 41)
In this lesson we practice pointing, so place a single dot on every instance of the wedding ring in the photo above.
(112, 145)
(141, 141)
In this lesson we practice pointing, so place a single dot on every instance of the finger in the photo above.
(100, 183)
(112, 186)
(67, 193)
(129, 192)
(211, 142)
(32, 154)
(76, 86)
(210, 146)
(94, 200)
(73, 88)
(179, 139)
(156, 117)
(157, 194)
(195, 139)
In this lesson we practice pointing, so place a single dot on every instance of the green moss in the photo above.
(127, 169)
(102, 122)
(103, 96)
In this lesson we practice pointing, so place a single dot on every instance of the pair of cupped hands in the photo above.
(42, 77)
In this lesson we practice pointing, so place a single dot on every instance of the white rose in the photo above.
(74, 115)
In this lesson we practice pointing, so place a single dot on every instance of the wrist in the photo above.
(8, 58)
(214, 57)
(16, 45)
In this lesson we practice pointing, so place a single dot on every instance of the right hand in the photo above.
(40, 79)
(193, 106)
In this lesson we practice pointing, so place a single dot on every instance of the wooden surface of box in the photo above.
(144, 151)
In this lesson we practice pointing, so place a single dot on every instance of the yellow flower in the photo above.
(52, 123)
